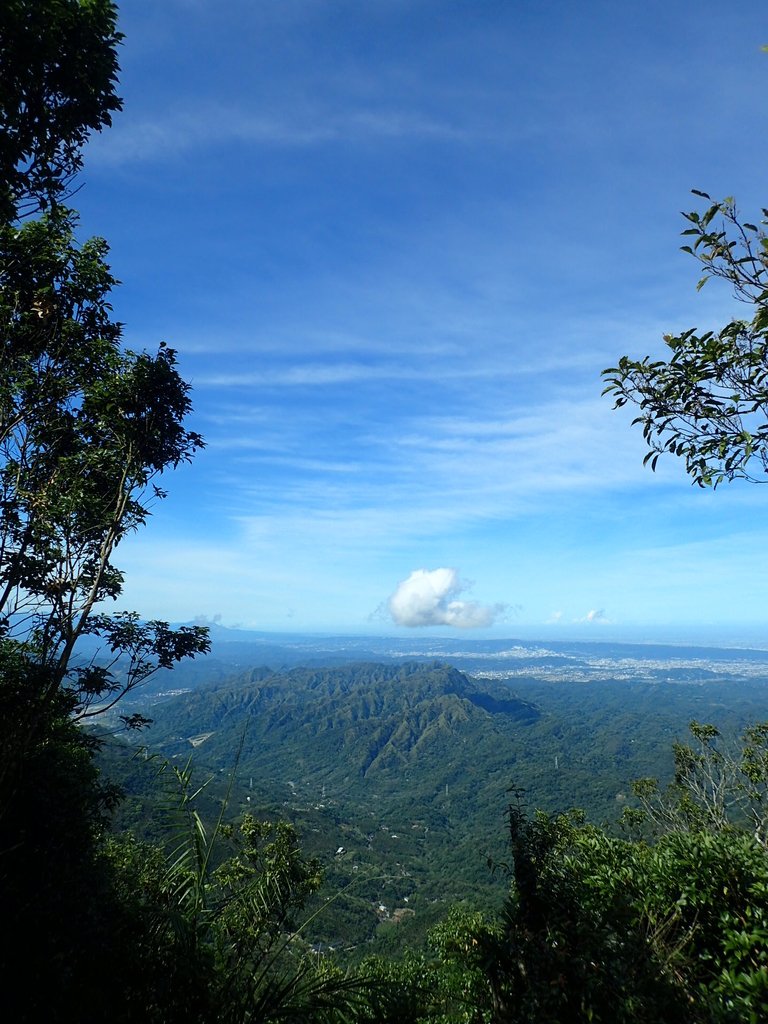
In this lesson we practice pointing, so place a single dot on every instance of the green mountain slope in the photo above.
(397, 774)
(374, 725)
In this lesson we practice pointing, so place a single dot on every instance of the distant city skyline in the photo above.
(394, 245)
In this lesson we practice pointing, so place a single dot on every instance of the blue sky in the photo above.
(395, 242)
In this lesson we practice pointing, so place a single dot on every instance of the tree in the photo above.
(716, 788)
(570, 944)
(58, 71)
(212, 921)
(86, 429)
(708, 403)
(598, 928)
(86, 426)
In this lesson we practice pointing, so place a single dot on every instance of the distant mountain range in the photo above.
(237, 651)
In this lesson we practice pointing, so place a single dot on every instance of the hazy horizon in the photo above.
(699, 635)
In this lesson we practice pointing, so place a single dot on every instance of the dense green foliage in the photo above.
(213, 926)
(52, 810)
(602, 929)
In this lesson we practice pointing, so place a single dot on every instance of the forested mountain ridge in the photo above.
(359, 754)
(407, 768)
(378, 713)
(568, 744)
(403, 766)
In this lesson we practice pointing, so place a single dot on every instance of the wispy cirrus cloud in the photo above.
(425, 366)
(310, 374)
(159, 139)
(422, 474)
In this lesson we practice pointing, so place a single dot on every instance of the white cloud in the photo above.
(429, 597)
(594, 615)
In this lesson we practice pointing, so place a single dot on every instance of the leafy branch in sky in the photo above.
(708, 402)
